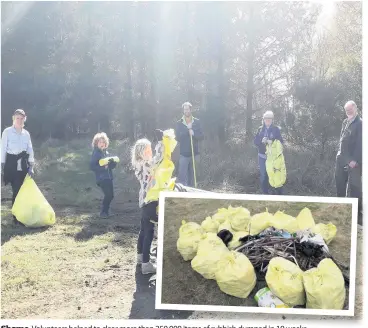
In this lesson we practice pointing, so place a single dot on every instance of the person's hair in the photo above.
(19, 112)
(351, 102)
(268, 114)
(138, 151)
(187, 104)
(98, 137)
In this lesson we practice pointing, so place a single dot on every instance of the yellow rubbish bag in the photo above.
(163, 172)
(105, 161)
(221, 216)
(210, 250)
(189, 228)
(235, 275)
(187, 247)
(305, 219)
(235, 241)
(284, 221)
(327, 231)
(239, 218)
(190, 234)
(210, 225)
(225, 226)
(31, 207)
(285, 279)
(209, 241)
(259, 222)
(275, 164)
(325, 286)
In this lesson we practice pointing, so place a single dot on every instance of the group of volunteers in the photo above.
(17, 160)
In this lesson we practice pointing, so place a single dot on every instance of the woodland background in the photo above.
(126, 67)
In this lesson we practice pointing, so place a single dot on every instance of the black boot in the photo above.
(360, 218)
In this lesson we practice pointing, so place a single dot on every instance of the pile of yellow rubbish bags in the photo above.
(322, 287)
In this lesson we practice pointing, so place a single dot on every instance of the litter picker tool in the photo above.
(194, 169)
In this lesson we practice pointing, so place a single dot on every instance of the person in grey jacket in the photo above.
(188, 127)
(348, 170)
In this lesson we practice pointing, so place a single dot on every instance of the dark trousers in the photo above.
(17, 182)
(147, 229)
(108, 190)
(265, 185)
(348, 182)
(186, 170)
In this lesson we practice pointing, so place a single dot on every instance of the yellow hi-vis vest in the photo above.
(275, 164)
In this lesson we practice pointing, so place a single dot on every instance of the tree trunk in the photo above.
(250, 77)
(221, 95)
(129, 111)
(187, 55)
(142, 66)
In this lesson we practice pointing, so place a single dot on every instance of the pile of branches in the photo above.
(261, 249)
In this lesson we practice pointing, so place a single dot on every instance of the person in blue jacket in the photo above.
(266, 133)
(187, 127)
(104, 177)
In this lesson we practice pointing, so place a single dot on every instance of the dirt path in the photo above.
(41, 279)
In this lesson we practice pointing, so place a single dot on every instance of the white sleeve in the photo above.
(30, 150)
(4, 145)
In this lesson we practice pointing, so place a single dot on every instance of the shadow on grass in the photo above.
(96, 227)
(143, 306)
(11, 230)
(126, 219)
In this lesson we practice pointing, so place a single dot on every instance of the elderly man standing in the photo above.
(188, 133)
(17, 158)
(348, 171)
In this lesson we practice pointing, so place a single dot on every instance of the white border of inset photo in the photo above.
(219, 308)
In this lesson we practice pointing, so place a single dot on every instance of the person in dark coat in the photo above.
(104, 176)
(266, 133)
(348, 170)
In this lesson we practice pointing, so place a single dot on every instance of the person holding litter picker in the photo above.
(348, 170)
(188, 133)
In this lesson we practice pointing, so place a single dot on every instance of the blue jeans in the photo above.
(265, 185)
(263, 174)
(147, 230)
(186, 172)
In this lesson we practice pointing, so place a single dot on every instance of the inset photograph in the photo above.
(254, 253)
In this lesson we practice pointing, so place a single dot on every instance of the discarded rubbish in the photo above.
(287, 252)
(324, 286)
(190, 234)
(285, 280)
(265, 298)
(235, 275)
